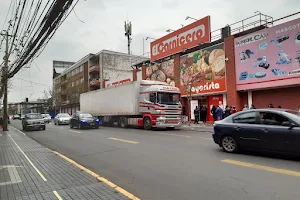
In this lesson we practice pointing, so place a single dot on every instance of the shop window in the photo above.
(268, 118)
(152, 97)
(245, 118)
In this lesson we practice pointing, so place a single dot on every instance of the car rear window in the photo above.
(34, 116)
(297, 113)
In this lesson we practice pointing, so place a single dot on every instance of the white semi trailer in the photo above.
(148, 104)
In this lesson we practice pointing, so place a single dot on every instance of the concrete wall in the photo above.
(116, 66)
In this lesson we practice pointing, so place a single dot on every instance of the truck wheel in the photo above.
(123, 122)
(147, 123)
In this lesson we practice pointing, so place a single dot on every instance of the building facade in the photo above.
(92, 72)
(248, 62)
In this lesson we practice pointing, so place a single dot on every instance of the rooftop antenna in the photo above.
(128, 31)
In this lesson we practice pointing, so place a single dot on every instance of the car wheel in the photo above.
(147, 123)
(229, 144)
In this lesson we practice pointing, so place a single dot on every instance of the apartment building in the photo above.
(92, 72)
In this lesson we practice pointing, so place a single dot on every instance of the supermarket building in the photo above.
(249, 62)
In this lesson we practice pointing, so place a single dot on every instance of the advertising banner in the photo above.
(269, 57)
(161, 72)
(203, 71)
(184, 38)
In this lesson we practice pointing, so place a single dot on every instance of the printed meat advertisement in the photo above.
(161, 72)
(203, 71)
(269, 57)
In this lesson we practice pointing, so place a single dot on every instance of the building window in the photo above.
(77, 70)
(81, 80)
(72, 84)
(81, 68)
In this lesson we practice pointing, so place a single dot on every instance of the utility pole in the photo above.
(4, 82)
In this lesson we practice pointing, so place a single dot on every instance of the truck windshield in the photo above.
(168, 98)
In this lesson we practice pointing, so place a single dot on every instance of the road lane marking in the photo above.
(262, 167)
(36, 169)
(74, 131)
(98, 177)
(172, 134)
(57, 195)
(122, 140)
(19, 130)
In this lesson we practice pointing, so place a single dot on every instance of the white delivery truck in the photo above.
(148, 104)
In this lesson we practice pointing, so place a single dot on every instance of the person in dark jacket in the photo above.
(204, 114)
(213, 112)
(196, 114)
(271, 105)
(227, 111)
(252, 107)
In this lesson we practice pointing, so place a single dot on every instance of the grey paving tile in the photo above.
(68, 180)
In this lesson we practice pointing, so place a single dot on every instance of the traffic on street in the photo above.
(171, 165)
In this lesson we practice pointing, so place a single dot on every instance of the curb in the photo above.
(98, 177)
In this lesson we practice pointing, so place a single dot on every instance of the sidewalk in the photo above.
(29, 171)
(197, 127)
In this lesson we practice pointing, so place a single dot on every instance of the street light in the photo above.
(169, 30)
(188, 17)
(144, 42)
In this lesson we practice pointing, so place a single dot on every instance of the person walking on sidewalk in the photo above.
(227, 111)
(219, 113)
(204, 114)
(233, 110)
(213, 112)
(196, 114)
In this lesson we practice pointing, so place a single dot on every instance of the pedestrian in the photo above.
(245, 107)
(271, 105)
(279, 106)
(252, 107)
(213, 112)
(196, 114)
(200, 113)
(233, 110)
(204, 114)
(219, 113)
(227, 111)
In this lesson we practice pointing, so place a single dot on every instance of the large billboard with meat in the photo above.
(203, 71)
(161, 72)
(269, 57)
(184, 38)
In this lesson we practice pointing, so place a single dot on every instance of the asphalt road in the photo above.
(174, 165)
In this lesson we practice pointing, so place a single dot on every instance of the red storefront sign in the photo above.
(119, 82)
(184, 38)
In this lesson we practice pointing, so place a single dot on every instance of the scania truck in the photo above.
(147, 104)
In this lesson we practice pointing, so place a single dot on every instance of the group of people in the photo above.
(219, 113)
(200, 114)
(246, 107)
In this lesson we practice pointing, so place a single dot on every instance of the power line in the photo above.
(31, 82)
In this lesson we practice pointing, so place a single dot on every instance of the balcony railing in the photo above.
(94, 69)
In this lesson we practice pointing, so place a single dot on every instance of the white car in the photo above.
(47, 118)
(62, 118)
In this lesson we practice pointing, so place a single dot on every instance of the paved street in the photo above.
(174, 165)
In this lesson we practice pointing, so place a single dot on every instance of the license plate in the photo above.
(92, 124)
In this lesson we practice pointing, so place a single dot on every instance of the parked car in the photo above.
(33, 121)
(84, 120)
(62, 118)
(16, 117)
(46, 117)
(262, 129)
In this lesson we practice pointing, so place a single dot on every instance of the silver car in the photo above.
(62, 118)
(47, 118)
(33, 121)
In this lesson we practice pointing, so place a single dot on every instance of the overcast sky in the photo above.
(103, 28)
